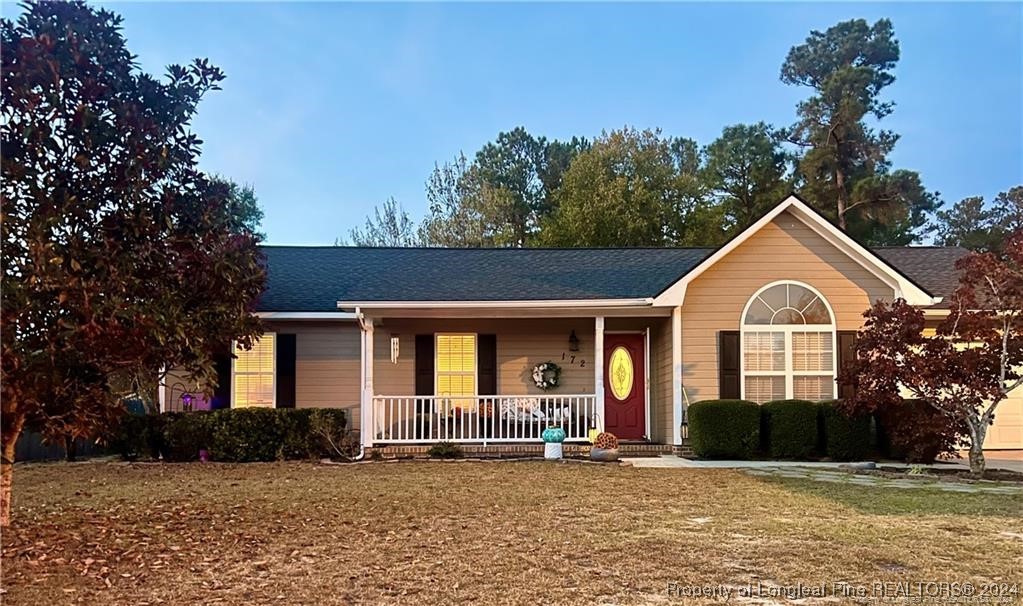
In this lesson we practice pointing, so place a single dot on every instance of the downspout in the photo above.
(362, 374)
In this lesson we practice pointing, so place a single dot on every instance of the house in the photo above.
(426, 345)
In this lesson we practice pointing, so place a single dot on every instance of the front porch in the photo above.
(429, 378)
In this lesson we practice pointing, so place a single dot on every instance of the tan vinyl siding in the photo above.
(1007, 430)
(521, 344)
(785, 249)
(326, 365)
(661, 403)
(177, 383)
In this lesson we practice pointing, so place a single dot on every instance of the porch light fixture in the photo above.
(395, 342)
(573, 342)
(186, 401)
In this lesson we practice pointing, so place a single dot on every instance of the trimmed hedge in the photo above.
(138, 436)
(184, 434)
(845, 438)
(724, 429)
(790, 428)
(243, 435)
(295, 441)
(233, 435)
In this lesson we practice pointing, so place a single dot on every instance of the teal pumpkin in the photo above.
(553, 434)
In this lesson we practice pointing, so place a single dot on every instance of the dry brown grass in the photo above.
(430, 532)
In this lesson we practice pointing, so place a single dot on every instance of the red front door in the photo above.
(625, 386)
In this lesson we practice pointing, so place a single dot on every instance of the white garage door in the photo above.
(1007, 431)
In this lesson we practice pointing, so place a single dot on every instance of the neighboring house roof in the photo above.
(313, 279)
(932, 267)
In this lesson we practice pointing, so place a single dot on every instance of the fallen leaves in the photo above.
(504, 533)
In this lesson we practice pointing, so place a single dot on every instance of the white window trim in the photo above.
(787, 329)
(234, 372)
(475, 362)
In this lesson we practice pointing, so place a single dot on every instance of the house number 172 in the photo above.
(571, 359)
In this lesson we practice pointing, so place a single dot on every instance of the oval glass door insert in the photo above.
(621, 373)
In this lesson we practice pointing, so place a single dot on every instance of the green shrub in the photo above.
(916, 432)
(246, 434)
(138, 436)
(724, 429)
(237, 435)
(184, 434)
(329, 436)
(790, 427)
(296, 442)
(445, 450)
(845, 438)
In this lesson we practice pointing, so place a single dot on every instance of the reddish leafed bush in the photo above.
(917, 432)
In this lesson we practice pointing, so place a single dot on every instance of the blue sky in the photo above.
(328, 109)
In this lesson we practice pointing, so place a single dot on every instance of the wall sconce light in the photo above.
(573, 342)
(395, 349)
(186, 401)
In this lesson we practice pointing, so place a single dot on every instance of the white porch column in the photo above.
(677, 411)
(367, 418)
(598, 369)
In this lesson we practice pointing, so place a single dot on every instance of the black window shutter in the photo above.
(286, 348)
(728, 365)
(424, 365)
(222, 393)
(486, 365)
(846, 354)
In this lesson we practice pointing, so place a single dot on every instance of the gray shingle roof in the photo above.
(315, 278)
(932, 267)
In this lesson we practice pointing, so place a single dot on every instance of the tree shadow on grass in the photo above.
(925, 500)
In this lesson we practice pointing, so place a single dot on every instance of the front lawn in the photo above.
(431, 532)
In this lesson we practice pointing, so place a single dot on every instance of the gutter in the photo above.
(358, 315)
(544, 303)
(306, 315)
(362, 373)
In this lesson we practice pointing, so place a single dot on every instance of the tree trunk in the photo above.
(9, 441)
(977, 435)
(977, 463)
(842, 202)
(70, 449)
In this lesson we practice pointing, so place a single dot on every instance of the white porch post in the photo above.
(598, 369)
(677, 412)
(367, 418)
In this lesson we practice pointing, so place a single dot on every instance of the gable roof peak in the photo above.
(904, 286)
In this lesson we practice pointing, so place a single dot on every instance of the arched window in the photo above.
(788, 344)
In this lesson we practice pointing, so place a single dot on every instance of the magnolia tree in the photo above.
(119, 256)
(971, 363)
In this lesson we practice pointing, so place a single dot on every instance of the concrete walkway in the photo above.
(842, 477)
(830, 472)
(673, 461)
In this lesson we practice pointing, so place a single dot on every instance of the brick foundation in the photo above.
(419, 451)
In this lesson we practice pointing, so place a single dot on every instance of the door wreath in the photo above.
(547, 375)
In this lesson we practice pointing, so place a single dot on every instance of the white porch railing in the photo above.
(483, 419)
